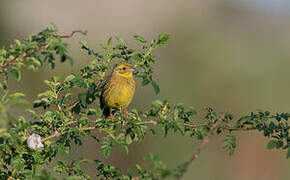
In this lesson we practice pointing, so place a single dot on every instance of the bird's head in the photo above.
(124, 69)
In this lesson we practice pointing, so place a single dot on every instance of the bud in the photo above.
(34, 142)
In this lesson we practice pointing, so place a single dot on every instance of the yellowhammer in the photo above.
(118, 90)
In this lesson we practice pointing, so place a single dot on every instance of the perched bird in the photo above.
(118, 90)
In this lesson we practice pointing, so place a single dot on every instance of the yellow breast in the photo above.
(118, 92)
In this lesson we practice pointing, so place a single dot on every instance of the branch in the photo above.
(200, 147)
(13, 61)
(73, 32)
(181, 124)
(57, 134)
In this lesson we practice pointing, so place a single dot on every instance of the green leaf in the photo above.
(64, 149)
(120, 39)
(84, 44)
(128, 139)
(162, 39)
(279, 144)
(16, 95)
(16, 73)
(55, 78)
(140, 38)
(83, 99)
(34, 61)
(138, 167)
(271, 144)
(69, 77)
(155, 87)
(77, 109)
(125, 148)
(288, 153)
(48, 93)
(145, 82)
(17, 42)
(109, 43)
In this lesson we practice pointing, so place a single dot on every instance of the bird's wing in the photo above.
(102, 103)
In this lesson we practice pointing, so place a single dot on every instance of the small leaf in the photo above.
(138, 167)
(162, 39)
(140, 38)
(84, 44)
(48, 93)
(271, 144)
(69, 77)
(55, 78)
(16, 74)
(120, 39)
(77, 109)
(16, 95)
(34, 61)
(288, 153)
(128, 139)
(83, 99)
(125, 148)
(109, 43)
(145, 82)
(156, 87)
(17, 42)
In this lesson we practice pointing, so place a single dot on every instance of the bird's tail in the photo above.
(106, 112)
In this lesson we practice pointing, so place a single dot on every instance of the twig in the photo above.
(181, 124)
(148, 122)
(200, 147)
(238, 129)
(13, 61)
(72, 106)
(193, 125)
(73, 32)
(57, 134)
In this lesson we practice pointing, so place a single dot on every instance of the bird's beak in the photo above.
(132, 69)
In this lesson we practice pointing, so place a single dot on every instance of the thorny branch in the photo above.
(73, 32)
(200, 147)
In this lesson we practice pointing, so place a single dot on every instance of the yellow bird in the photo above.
(118, 90)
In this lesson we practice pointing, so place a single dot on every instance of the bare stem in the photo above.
(49, 137)
(85, 32)
(200, 147)
(57, 134)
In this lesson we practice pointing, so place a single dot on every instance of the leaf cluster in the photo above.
(67, 113)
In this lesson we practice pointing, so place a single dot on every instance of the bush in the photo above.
(69, 109)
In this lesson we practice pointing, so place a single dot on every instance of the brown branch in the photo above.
(181, 124)
(148, 122)
(57, 134)
(73, 32)
(13, 61)
(10, 63)
(201, 146)
(72, 106)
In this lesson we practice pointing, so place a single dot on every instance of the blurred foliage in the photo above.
(69, 110)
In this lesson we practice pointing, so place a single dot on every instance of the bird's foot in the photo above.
(126, 113)
(111, 116)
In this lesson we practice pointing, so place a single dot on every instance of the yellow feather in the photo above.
(119, 88)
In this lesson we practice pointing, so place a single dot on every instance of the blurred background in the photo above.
(228, 54)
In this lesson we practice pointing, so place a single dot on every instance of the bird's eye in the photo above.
(124, 68)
